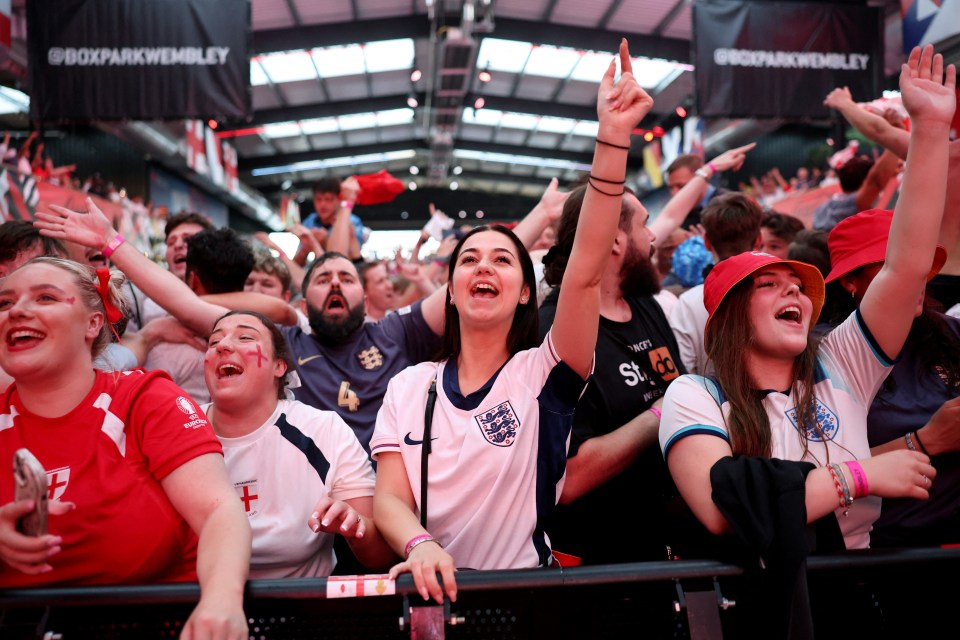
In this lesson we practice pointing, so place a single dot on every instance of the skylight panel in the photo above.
(318, 125)
(345, 60)
(650, 73)
(394, 117)
(586, 128)
(486, 117)
(519, 121)
(550, 124)
(288, 67)
(358, 121)
(280, 130)
(13, 101)
(389, 55)
(552, 62)
(592, 66)
(257, 76)
(530, 161)
(503, 55)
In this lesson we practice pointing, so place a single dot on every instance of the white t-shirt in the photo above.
(499, 454)
(850, 370)
(688, 321)
(280, 471)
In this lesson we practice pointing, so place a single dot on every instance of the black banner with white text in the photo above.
(780, 59)
(138, 60)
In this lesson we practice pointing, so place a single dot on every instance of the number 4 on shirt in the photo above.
(348, 398)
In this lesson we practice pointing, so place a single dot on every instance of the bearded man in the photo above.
(614, 460)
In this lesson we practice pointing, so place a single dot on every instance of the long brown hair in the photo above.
(727, 346)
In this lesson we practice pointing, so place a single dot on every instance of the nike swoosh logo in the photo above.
(410, 441)
(303, 361)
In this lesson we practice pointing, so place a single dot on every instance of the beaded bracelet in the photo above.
(843, 491)
(859, 479)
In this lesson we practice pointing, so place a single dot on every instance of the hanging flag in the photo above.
(652, 158)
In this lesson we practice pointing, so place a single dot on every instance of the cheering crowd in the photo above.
(725, 373)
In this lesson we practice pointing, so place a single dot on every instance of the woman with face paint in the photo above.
(138, 492)
(503, 405)
(301, 473)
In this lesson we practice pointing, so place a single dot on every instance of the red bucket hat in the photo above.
(728, 273)
(861, 239)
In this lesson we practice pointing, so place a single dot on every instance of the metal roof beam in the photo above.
(338, 33)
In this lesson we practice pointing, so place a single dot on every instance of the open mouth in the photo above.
(790, 314)
(228, 370)
(335, 301)
(21, 338)
(484, 290)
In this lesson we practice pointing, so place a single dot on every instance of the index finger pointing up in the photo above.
(625, 64)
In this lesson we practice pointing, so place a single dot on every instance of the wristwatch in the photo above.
(704, 173)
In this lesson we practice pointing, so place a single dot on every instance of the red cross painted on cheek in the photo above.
(260, 356)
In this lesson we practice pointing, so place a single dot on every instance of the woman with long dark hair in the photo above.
(503, 407)
(780, 394)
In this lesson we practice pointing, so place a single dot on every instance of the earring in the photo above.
(524, 299)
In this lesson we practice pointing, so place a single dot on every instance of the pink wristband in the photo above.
(655, 411)
(414, 541)
(712, 167)
(859, 478)
(112, 245)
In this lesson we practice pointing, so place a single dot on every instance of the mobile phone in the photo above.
(30, 483)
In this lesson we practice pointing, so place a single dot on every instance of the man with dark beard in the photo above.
(346, 363)
(732, 224)
(614, 462)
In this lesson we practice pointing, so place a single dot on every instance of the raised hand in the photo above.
(621, 105)
(732, 158)
(838, 97)
(552, 200)
(91, 229)
(928, 93)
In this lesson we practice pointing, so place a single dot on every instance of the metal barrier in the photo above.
(689, 599)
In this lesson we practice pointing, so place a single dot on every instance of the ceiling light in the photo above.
(681, 112)
(648, 136)
(414, 170)
(453, 187)
(412, 185)
(415, 75)
(478, 104)
(412, 102)
(484, 76)
(212, 124)
(457, 170)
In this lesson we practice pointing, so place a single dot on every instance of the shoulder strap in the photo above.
(425, 449)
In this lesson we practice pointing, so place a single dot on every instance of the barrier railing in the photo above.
(696, 599)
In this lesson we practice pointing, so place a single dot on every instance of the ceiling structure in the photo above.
(352, 86)
(492, 96)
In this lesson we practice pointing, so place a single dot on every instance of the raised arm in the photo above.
(889, 302)
(871, 125)
(93, 229)
(676, 210)
(546, 212)
(620, 108)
